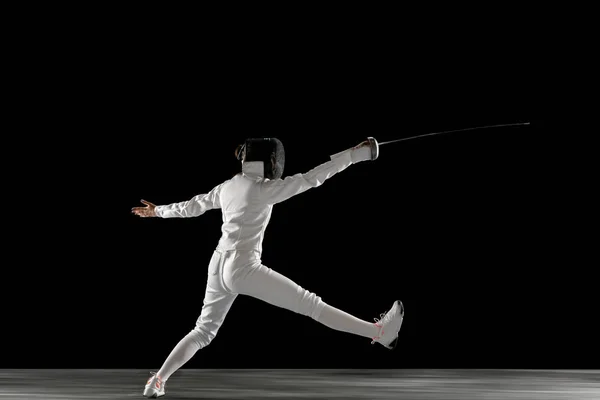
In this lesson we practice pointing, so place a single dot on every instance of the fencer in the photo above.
(246, 202)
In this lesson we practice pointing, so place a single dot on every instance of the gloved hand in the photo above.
(358, 153)
(361, 152)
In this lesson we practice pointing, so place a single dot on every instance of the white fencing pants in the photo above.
(241, 272)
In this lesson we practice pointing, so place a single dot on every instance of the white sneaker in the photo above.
(155, 387)
(389, 326)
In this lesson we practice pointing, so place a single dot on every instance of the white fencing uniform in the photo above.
(246, 202)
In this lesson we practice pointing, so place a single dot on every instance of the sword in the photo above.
(375, 145)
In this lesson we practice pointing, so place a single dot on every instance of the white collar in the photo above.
(253, 169)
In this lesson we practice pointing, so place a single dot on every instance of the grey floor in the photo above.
(304, 384)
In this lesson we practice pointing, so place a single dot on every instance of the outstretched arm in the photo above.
(194, 207)
(278, 190)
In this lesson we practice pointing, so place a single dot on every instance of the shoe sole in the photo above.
(150, 395)
(154, 396)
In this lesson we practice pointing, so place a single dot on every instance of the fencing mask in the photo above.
(268, 151)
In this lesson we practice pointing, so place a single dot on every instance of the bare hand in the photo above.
(144, 212)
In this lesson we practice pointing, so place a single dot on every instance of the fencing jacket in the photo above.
(246, 200)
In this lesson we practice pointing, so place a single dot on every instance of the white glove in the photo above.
(362, 152)
(359, 153)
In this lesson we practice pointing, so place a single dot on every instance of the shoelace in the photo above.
(377, 323)
(382, 316)
(157, 378)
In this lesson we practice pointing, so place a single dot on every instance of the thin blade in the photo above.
(457, 130)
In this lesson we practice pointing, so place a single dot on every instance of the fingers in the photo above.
(144, 212)
(141, 212)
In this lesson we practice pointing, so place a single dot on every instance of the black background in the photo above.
(467, 229)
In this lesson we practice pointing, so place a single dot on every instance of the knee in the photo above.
(310, 304)
(201, 336)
